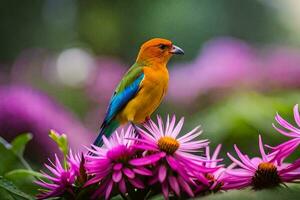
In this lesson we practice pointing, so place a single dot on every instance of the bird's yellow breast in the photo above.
(152, 90)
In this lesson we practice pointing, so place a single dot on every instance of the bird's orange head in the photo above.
(157, 50)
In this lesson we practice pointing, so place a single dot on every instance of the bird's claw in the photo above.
(134, 127)
(147, 120)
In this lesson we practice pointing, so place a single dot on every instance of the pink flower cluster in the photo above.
(158, 158)
(63, 178)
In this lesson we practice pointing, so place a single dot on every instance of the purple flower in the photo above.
(216, 179)
(74, 162)
(110, 165)
(175, 166)
(260, 172)
(62, 179)
(290, 131)
(23, 109)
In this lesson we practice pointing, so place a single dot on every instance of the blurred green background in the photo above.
(241, 65)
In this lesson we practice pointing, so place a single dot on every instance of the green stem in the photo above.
(25, 163)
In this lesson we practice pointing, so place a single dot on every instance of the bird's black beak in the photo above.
(176, 50)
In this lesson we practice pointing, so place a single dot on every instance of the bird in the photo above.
(141, 89)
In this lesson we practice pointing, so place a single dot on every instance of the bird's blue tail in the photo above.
(107, 130)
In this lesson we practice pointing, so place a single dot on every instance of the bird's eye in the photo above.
(162, 46)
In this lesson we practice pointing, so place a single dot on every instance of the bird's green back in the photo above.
(130, 76)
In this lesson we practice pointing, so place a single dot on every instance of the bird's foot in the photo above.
(147, 120)
(135, 128)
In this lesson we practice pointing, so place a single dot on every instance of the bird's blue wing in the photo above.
(119, 100)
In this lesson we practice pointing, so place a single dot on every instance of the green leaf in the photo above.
(157, 197)
(118, 197)
(12, 164)
(61, 141)
(24, 180)
(10, 187)
(13, 153)
(5, 195)
(22, 173)
(5, 143)
(292, 192)
(8, 159)
(19, 143)
(17, 147)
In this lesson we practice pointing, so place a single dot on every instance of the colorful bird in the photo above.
(142, 88)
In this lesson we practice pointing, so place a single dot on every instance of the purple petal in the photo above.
(109, 189)
(297, 115)
(190, 135)
(146, 141)
(92, 181)
(58, 165)
(100, 190)
(165, 190)
(122, 186)
(148, 159)
(153, 180)
(190, 157)
(142, 171)
(291, 167)
(117, 176)
(237, 162)
(56, 173)
(145, 147)
(50, 177)
(160, 124)
(261, 148)
(284, 150)
(174, 185)
(106, 142)
(167, 125)
(46, 185)
(172, 162)
(244, 159)
(147, 136)
(217, 151)
(162, 173)
(118, 166)
(207, 153)
(171, 125)
(153, 129)
(129, 173)
(136, 183)
(177, 129)
(185, 186)
(192, 145)
(288, 134)
(202, 178)
(193, 164)
(285, 124)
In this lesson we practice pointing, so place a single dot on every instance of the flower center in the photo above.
(210, 177)
(217, 186)
(168, 144)
(120, 153)
(266, 176)
(207, 189)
